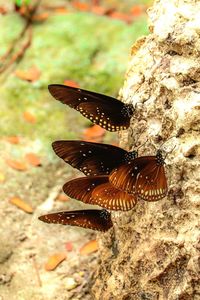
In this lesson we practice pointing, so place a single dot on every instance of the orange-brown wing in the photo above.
(107, 196)
(124, 177)
(91, 218)
(81, 188)
(151, 184)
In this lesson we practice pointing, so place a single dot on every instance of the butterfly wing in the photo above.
(90, 158)
(92, 218)
(143, 176)
(151, 182)
(108, 112)
(124, 177)
(107, 196)
(82, 188)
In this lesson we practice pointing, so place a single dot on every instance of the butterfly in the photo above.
(92, 158)
(108, 112)
(144, 177)
(95, 219)
(97, 190)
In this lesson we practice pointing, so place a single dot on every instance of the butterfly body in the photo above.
(94, 219)
(106, 111)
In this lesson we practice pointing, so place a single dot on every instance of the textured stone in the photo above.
(153, 250)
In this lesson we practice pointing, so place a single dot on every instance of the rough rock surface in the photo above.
(153, 250)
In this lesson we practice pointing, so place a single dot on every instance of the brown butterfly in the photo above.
(144, 177)
(95, 219)
(108, 112)
(92, 158)
(97, 190)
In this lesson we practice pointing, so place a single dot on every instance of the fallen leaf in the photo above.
(21, 204)
(3, 10)
(62, 197)
(61, 10)
(136, 10)
(29, 117)
(120, 16)
(33, 159)
(41, 17)
(12, 139)
(54, 260)
(69, 246)
(71, 83)
(99, 10)
(32, 74)
(89, 248)
(16, 164)
(81, 6)
(94, 132)
(2, 177)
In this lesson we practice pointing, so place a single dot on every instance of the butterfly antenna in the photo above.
(143, 144)
(170, 151)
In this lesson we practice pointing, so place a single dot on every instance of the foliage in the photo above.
(19, 3)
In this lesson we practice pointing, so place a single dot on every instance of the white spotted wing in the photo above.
(95, 219)
(106, 111)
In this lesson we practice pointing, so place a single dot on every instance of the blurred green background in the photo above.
(77, 44)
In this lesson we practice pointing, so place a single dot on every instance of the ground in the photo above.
(93, 51)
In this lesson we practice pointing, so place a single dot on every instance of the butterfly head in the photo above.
(104, 214)
(128, 110)
(159, 157)
(130, 156)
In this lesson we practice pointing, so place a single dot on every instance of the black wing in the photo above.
(91, 218)
(90, 158)
(106, 111)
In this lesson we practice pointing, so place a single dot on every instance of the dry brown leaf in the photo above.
(29, 117)
(41, 17)
(33, 159)
(88, 248)
(16, 164)
(12, 139)
(2, 177)
(94, 132)
(137, 10)
(3, 10)
(121, 16)
(61, 10)
(21, 204)
(81, 6)
(99, 10)
(54, 260)
(32, 74)
(62, 197)
(71, 83)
